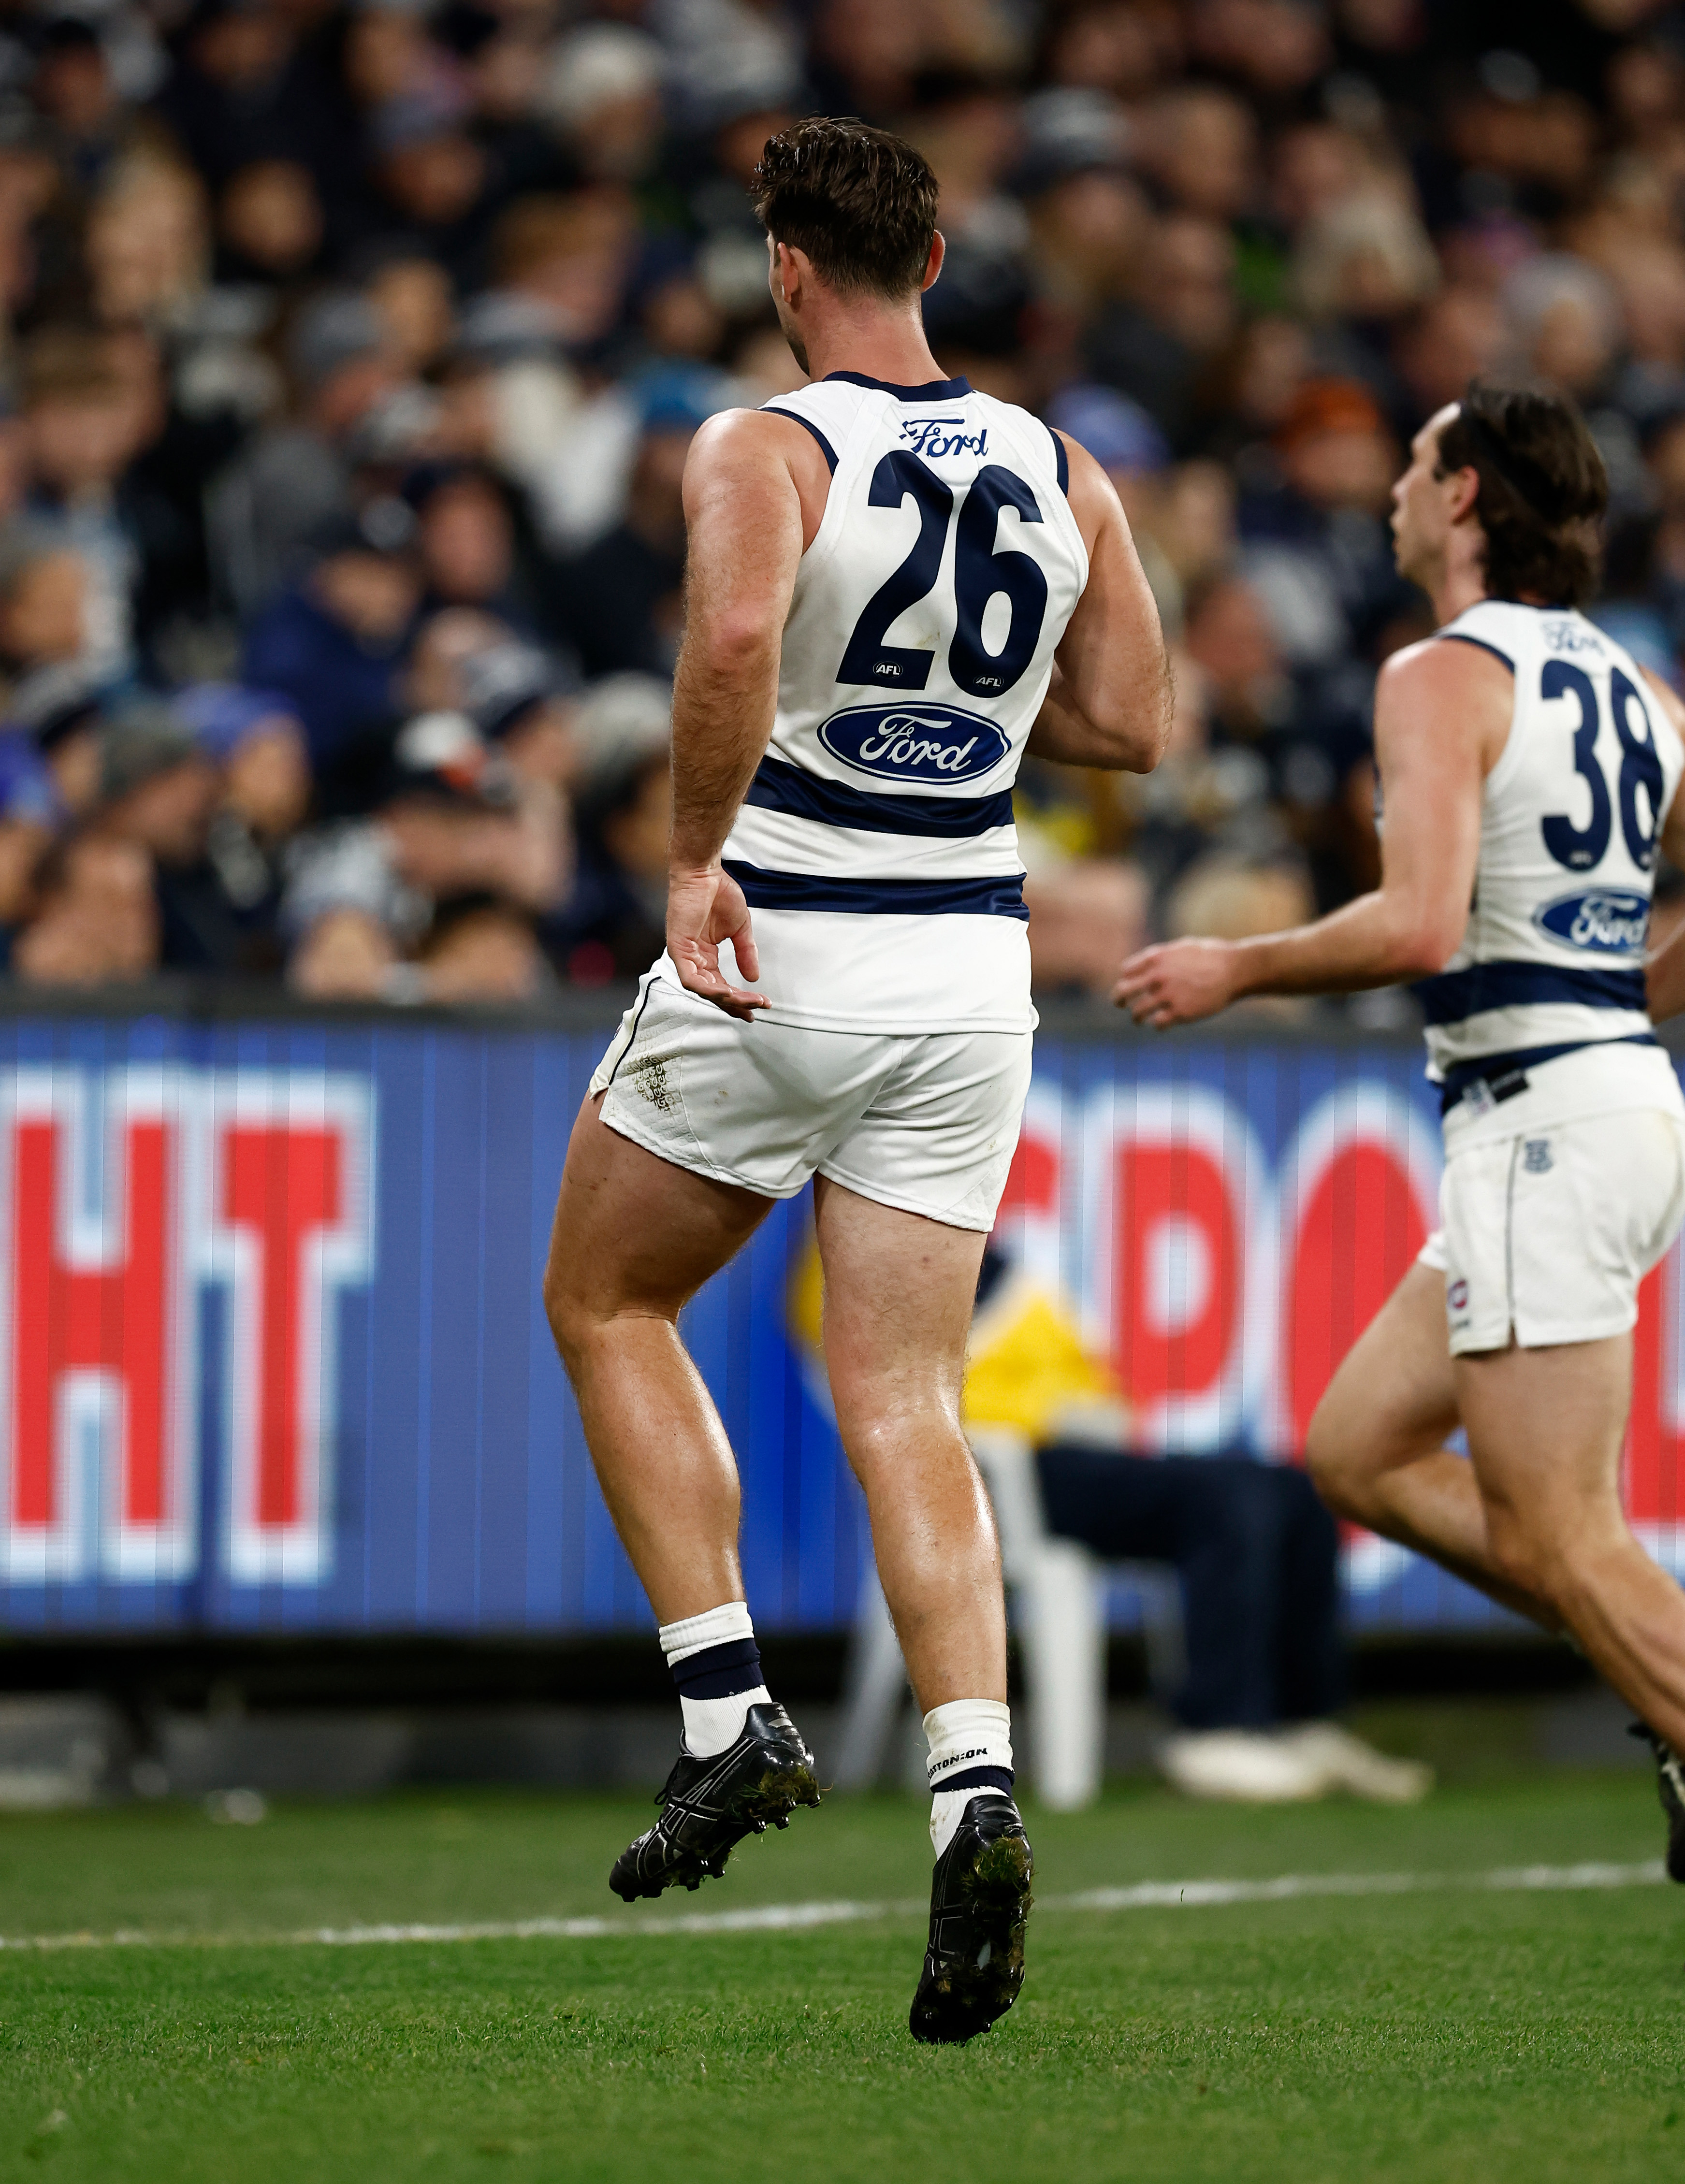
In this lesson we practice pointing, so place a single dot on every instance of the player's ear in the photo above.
(787, 268)
(1465, 487)
(933, 265)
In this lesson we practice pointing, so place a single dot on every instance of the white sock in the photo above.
(965, 1734)
(717, 1666)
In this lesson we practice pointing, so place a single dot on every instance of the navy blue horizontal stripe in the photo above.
(1456, 994)
(795, 417)
(716, 1672)
(1062, 462)
(1461, 636)
(1488, 1067)
(778, 785)
(994, 897)
(933, 390)
(977, 1778)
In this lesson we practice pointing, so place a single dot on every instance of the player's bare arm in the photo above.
(747, 526)
(1112, 699)
(1441, 717)
(1664, 971)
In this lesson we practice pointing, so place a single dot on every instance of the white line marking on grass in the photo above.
(795, 1917)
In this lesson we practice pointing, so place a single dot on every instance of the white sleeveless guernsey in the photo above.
(876, 845)
(1553, 959)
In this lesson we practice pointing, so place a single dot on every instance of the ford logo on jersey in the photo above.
(1607, 921)
(914, 743)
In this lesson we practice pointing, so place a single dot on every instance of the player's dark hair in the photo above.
(1543, 490)
(861, 204)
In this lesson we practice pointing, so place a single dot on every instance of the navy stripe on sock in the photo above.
(977, 1778)
(719, 1671)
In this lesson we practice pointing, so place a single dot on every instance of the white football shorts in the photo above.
(1547, 1234)
(927, 1122)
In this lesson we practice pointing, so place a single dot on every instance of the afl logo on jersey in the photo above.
(908, 742)
(1605, 921)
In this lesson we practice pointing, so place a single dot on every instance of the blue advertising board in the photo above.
(274, 1356)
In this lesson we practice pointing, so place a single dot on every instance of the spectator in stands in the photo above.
(96, 921)
(298, 475)
(613, 924)
(265, 270)
(48, 633)
(31, 815)
(620, 601)
(157, 793)
(526, 702)
(334, 644)
(466, 539)
(82, 433)
(258, 745)
(270, 224)
(452, 826)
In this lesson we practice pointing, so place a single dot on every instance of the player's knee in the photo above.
(1333, 1463)
(1525, 1556)
(566, 1308)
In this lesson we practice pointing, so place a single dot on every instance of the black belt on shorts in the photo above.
(1504, 1075)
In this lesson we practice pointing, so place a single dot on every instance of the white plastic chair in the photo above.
(1058, 1591)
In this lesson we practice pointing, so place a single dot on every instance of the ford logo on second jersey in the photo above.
(914, 743)
(1607, 921)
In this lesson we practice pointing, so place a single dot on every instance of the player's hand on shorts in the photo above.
(705, 909)
(1176, 983)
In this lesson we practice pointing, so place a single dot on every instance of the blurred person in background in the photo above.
(49, 648)
(32, 818)
(96, 919)
(1263, 1658)
(270, 263)
(614, 922)
(450, 820)
(258, 745)
(157, 793)
(270, 224)
(619, 603)
(466, 539)
(526, 702)
(1081, 911)
(334, 644)
(298, 473)
(82, 430)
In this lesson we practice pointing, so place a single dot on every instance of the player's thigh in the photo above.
(904, 1201)
(1546, 1427)
(634, 1231)
(1393, 1398)
(899, 1289)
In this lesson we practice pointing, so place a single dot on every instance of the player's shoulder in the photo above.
(1432, 683)
(740, 444)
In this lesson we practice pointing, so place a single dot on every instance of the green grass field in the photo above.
(1452, 2033)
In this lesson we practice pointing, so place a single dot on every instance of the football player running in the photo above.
(896, 586)
(1529, 768)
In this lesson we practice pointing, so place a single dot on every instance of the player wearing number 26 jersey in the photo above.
(896, 587)
(876, 842)
(874, 845)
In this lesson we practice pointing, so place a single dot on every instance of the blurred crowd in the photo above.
(349, 354)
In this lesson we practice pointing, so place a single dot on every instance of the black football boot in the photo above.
(709, 1805)
(1671, 1788)
(979, 1900)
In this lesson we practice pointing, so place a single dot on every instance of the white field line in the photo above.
(794, 1917)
